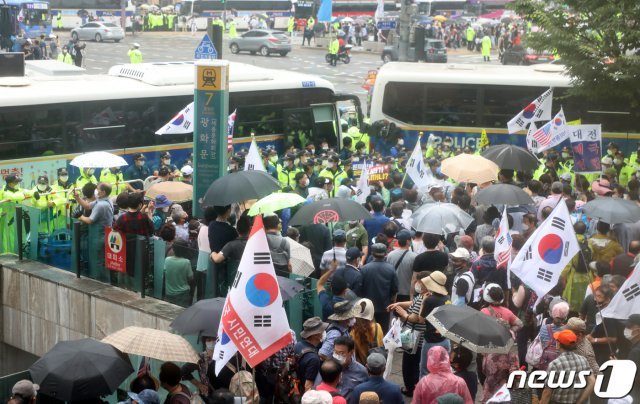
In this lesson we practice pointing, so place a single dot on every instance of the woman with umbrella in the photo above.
(497, 367)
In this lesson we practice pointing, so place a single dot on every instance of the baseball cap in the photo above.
(25, 389)
(43, 180)
(565, 176)
(63, 171)
(565, 337)
(379, 249)
(339, 235)
(11, 178)
(353, 253)
(403, 235)
(186, 170)
(461, 253)
(165, 155)
(139, 156)
(376, 362)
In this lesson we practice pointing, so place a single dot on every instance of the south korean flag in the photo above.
(627, 301)
(545, 254)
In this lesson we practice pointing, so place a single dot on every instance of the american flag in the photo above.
(231, 120)
(543, 135)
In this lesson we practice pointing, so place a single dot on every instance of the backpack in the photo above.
(243, 385)
(289, 388)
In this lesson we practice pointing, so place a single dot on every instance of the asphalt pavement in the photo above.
(178, 46)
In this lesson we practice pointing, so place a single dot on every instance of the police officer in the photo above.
(333, 172)
(13, 194)
(270, 160)
(165, 161)
(63, 180)
(135, 56)
(86, 176)
(113, 176)
(137, 171)
(287, 174)
(48, 204)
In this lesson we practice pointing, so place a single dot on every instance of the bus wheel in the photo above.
(98, 38)
(116, 40)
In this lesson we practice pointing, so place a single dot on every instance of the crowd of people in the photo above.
(372, 271)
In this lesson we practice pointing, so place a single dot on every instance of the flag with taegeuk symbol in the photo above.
(502, 251)
(538, 110)
(231, 120)
(627, 300)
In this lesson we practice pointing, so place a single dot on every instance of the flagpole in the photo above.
(604, 326)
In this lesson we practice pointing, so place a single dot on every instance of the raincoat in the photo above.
(440, 380)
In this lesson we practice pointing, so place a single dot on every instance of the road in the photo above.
(176, 46)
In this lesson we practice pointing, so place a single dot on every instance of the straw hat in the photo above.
(435, 283)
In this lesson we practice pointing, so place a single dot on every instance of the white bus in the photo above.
(50, 119)
(460, 100)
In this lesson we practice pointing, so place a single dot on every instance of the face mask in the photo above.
(628, 333)
(312, 151)
(401, 142)
(438, 171)
(565, 155)
(341, 359)
(352, 322)
(42, 187)
(113, 170)
(95, 193)
(417, 288)
(303, 160)
(610, 152)
(325, 163)
(330, 165)
(325, 147)
(304, 183)
(90, 171)
(64, 178)
(617, 162)
(296, 162)
(139, 163)
(525, 227)
(273, 159)
(210, 345)
(167, 161)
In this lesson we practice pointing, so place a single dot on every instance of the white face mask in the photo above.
(139, 163)
(64, 178)
(210, 345)
(565, 155)
(617, 162)
(90, 171)
(325, 147)
(525, 227)
(341, 359)
(352, 322)
(400, 142)
(628, 333)
(273, 159)
(417, 288)
(312, 151)
(95, 193)
(42, 187)
(167, 161)
(296, 162)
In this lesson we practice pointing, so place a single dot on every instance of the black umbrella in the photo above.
(503, 194)
(80, 370)
(289, 287)
(472, 329)
(613, 210)
(240, 186)
(511, 157)
(200, 319)
(329, 211)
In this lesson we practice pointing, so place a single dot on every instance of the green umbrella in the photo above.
(274, 202)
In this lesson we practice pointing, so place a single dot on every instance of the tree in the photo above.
(598, 41)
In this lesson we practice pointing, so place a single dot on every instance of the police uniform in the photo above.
(11, 196)
(336, 177)
(287, 177)
(116, 180)
(135, 172)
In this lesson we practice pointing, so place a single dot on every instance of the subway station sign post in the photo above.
(211, 107)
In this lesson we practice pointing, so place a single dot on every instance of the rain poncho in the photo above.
(440, 380)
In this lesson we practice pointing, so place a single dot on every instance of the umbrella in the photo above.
(202, 318)
(472, 329)
(98, 159)
(275, 202)
(440, 218)
(301, 261)
(329, 211)
(503, 194)
(440, 18)
(289, 287)
(80, 370)
(613, 210)
(174, 190)
(470, 168)
(347, 19)
(157, 344)
(240, 186)
(511, 157)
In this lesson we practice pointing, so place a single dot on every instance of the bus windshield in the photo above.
(28, 18)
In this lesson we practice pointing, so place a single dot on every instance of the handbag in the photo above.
(534, 351)
(410, 338)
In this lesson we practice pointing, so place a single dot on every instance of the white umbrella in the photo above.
(301, 262)
(98, 159)
(347, 19)
(156, 344)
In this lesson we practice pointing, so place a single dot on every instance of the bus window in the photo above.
(298, 127)
(30, 133)
(501, 103)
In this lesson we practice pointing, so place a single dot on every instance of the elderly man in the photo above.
(583, 346)
(306, 351)
(387, 391)
(552, 200)
(568, 360)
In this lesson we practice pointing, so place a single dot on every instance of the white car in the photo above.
(98, 31)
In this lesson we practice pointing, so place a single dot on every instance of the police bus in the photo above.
(29, 17)
(71, 12)
(460, 100)
(46, 120)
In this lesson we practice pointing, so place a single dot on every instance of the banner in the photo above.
(627, 301)
(546, 253)
(378, 173)
(325, 11)
(253, 161)
(417, 170)
(586, 144)
(253, 316)
(551, 133)
(363, 186)
(538, 110)
(379, 15)
(115, 254)
(224, 349)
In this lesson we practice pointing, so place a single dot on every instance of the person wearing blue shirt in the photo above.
(339, 291)
(350, 272)
(342, 318)
(137, 171)
(353, 373)
(387, 392)
(378, 219)
(313, 333)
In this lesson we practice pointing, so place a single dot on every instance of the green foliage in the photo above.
(598, 41)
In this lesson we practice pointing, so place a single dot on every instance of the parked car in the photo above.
(519, 55)
(261, 40)
(98, 31)
(434, 52)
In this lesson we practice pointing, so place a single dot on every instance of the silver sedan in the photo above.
(98, 31)
(261, 40)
